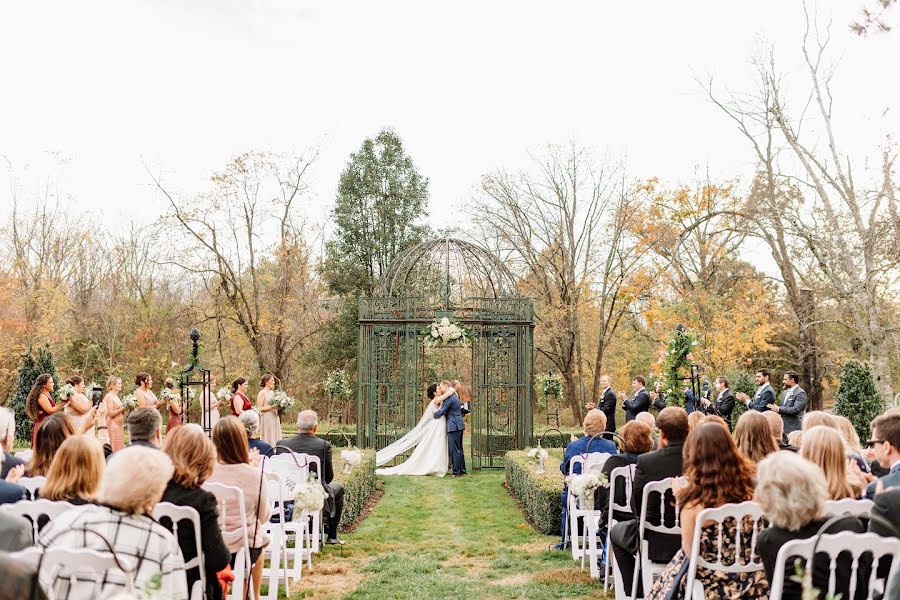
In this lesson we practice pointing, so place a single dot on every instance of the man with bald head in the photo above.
(776, 425)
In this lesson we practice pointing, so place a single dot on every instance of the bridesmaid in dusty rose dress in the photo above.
(115, 413)
(174, 403)
(270, 420)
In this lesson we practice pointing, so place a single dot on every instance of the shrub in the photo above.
(358, 484)
(742, 382)
(338, 441)
(857, 399)
(29, 369)
(538, 493)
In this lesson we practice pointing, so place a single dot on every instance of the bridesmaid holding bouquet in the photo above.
(270, 419)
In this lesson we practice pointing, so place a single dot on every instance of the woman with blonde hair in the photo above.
(194, 458)
(115, 413)
(754, 436)
(815, 418)
(270, 419)
(75, 473)
(824, 447)
(694, 419)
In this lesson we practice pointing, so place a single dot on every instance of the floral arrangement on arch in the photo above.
(679, 347)
(446, 332)
(551, 386)
(337, 383)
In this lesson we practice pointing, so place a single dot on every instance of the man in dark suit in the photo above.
(608, 403)
(886, 521)
(638, 403)
(306, 442)
(765, 395)
(7, 439)
(452, 409)
(724, 402)
(886, 443)
(793, 404)
(653, 466)
(145, 428)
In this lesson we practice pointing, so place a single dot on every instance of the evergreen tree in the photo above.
(743, 382)
(30, 368)
(857, 398)
(381, 200)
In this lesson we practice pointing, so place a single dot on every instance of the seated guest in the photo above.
(76, 471)
(193, 456)
(132, 484)
(652, 466)
(250, 421)
(795, 439)
(716, 419)
(824, 447)
(635, 441)
(7, 440)
(694, 419)
(145, 428)
(648, 419)
(851, 442)
(776, 425)
(233, 468)
(15, 533)
(594, 425)
(715, 473)
(886, 444)
(306, 442)
(753, 436)
(885, 521)
(792, 493)
(814, 418)
(47, 440)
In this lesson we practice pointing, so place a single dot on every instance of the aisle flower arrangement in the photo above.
(584, 485)
(308, 496)
(351, 458)
(539, 456)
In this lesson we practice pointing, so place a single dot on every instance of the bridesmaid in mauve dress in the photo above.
(210, 404)
(173, 401)
(115, 413)
(40, 404)
(270, 420)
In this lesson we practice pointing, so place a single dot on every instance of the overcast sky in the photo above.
(469, 86)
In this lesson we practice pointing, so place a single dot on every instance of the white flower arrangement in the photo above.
(351, 458)
(337, 383)
(130, 402)
(308, 496)
(167, 394)
(281, 400)
(224, 394)
(65, 391)
(446, 332)
(584, 486)
(191, 393)
(538, 454)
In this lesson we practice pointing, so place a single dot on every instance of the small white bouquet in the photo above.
(351, 458)
(65, 391)
(584, 486)
(130, 402)
(191, 392)
(224, 394)
(281, 401)
(167, 394)
(308, 496)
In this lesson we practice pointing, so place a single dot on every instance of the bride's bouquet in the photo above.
(308, 496)
(281, 401)
(130, 402)
(584, 486)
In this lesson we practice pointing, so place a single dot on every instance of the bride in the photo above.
(429, 437)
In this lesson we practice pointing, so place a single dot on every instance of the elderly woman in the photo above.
(594, 425)
(194, 458)
(132, 485)
(792, 493)
(250, 420)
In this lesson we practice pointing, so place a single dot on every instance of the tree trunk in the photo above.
(572, 397)
(810, 373)
(880, 359)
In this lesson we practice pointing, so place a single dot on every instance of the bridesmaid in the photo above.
(210, 403)
(145, 396)
(78, 407)
(270, 420)
(40, 404)
(174, 405)
(239, 400)
(115, 413)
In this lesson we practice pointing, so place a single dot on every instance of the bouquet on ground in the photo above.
(584, 485)
(309, 496)
(446, 332)
(281, 401)
(351, 458)
(65, 392)
(130, 402)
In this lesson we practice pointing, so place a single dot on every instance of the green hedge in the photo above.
(359, 485)
(539, 494)
(338, 441)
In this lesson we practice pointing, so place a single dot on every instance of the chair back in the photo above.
(833, 544)
(662, 490)
(86, 569)
(32, 484)
(849, 506)
(34, 509)
(231, 499)
(588, 462)
(739, 513)
(625, 475)
(176, 514)
(292, 467)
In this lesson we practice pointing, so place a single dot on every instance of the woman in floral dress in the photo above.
(715, 473)
(270, 420)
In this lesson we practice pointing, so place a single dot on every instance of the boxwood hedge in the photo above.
(538, 493)
(359, 485)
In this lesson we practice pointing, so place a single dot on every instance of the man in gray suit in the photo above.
(793, 404)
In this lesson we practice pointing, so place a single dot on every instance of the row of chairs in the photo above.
(585, 545)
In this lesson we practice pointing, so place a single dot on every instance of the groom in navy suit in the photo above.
(452, 409)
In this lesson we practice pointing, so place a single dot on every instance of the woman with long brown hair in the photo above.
(823, 446)
(269, 419)
(40, 404)
(715, 473)
(754, 436)
(75, 472)
(49, 437)
(239, 400)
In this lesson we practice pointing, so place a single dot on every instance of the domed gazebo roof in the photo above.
(449, 273)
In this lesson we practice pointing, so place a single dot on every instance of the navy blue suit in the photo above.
(580, 446)
(765, 395)
(452, 409)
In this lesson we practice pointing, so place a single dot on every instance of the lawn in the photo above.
(446, 538)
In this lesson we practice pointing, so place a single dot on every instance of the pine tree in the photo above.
(30, 368)
(857, 398)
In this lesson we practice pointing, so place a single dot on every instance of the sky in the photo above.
(96, 93)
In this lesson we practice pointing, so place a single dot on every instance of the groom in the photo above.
(455, 427)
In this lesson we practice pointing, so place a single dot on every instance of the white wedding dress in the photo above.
(431, 455)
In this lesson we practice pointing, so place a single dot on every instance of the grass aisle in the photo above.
(446, 538)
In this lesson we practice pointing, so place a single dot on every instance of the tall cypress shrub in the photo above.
(857, 398)
(30, 368)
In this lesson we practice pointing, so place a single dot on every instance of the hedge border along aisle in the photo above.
(359, 485)
(538, 493)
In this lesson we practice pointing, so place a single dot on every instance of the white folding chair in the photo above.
(228, 495)
(626, 476)
(175, 514)
(34, 509)
(295, 467)
(276, 551)
(644, 567)
(833, 544)
(86, 569)
(33, 485)
(849, 506)
(591, 462)
(738, 512)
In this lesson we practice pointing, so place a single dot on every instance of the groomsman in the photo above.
(638, 403)
(724, 402)
(765, 395)
(608, 403)
(793, 403)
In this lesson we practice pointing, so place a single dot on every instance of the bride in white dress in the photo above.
(429, 437)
